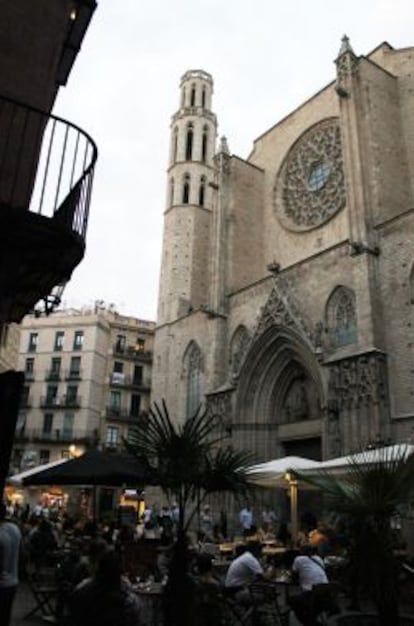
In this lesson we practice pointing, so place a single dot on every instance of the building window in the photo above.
(193, 367)
(112, 436)
(51, 394)
(341, 317)
(33, 339)
(44, 457)
(140, 345)
(59, 340)
(171, 191)
(204, 144)
(29, 368)
(175, 145)
(72, 395)
(135, 405)
(118, 367)
(78, 340)
(47, 423)
(24, 398)
(68, 421)
(202, 191)
(137, 379)
(55, 365)
(75, 363)
(120, 343)
(186, 189)
(189, 142)
(193, 96)
(115, 402)
(203, 97)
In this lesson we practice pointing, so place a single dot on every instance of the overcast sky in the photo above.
(266, 57)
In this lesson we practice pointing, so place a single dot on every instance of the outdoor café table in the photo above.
(227, 549)
(150, 595)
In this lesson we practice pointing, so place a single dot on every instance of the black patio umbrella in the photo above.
(95, 467)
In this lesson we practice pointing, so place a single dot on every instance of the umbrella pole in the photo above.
(94, 502)
(293, 487)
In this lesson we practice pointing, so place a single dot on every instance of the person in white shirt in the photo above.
(310, 571)
(246, 519)
(10, 542)
(244, 570)
(310, 568)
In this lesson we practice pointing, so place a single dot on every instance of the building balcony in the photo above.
(122, 415)
(46, 173)
(117, 379)
(52, 375)
(73, 374)
(61, 402)
(56, 436)
(132, 352)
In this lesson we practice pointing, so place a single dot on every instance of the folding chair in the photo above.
(266, 608)
(44, 588)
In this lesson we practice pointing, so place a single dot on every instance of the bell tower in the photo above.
(184, 279)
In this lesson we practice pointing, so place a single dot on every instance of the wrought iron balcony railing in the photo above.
(46, 167)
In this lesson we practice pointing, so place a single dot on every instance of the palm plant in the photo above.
(366, 498)
(189, 463)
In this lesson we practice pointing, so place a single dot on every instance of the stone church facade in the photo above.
(286, 298)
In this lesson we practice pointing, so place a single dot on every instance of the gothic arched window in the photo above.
(189, 142)
(202, 191)
(171, 191)
(193, 96)
(193, 366)
(238, 348)
(186, 189)
(203, 97)
(175, 145)
(341, 317)
(204, 144)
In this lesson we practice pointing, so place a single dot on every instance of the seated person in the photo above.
(106, 599)
(207, 593)
(310, 571)
(244, 570)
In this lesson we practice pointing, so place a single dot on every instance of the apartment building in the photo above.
(46, 172)
(87, 382)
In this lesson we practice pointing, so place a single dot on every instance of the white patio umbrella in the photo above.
(340, 465)
(17, 479)
(280, 473)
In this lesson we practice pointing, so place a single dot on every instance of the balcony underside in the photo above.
(37, 253)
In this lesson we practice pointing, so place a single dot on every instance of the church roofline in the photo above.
(327, 86)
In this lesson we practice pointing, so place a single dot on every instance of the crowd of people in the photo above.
(90, 560)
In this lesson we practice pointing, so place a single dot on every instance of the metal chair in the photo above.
(266, 608)
(43, 585)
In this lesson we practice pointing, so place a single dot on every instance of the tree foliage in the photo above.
(189, 459)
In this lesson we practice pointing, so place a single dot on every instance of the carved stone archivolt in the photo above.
(238, 349)
(358, 381)
(310, 187)
(281, 309)
(219, 406)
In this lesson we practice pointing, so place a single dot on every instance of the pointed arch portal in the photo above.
(280, 395)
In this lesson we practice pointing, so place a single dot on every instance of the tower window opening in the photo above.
(171, 191)
(175, 145)
(204, 143)
(193, 95)
(186, 189)
(189, 142)
(202, 191)
(203, 98)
